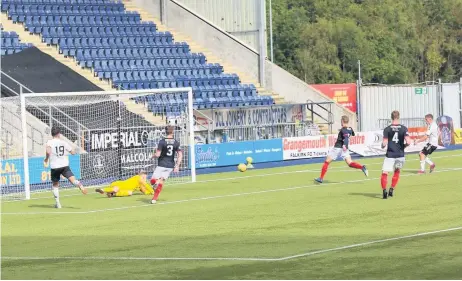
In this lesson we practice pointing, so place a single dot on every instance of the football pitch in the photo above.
(262, 224)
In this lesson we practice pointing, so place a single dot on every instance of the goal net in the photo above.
(115, 135)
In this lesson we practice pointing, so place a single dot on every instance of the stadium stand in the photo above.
(131, 54)
(11, 43)
(32, 67)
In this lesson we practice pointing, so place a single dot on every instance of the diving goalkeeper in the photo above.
(128, 186)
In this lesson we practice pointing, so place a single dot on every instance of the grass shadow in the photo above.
(410, 171)
(51, 206)
(365, 194)
(324, 182)
(145, 200)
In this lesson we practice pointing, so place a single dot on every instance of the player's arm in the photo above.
(407, 138)
(385, 138)
(178, 161)
(423, 138)
(145, 188)
(159, 148)
(47, 154)
(346, 140)
(69, 149)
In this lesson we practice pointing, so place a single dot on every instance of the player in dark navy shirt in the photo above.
(341, 149)
(395, 139)
(166, 151)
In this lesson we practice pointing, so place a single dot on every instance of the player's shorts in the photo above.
(392, 164)
(428, 149)
(161, 173)
(56, 173)
(337, 152)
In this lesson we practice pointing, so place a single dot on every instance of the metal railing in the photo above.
(262, 132)
(408, 122)
(322, 111)
(276, 121)
(15, 88)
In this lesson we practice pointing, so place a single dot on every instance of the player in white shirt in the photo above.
(431, 137)
(57, 152)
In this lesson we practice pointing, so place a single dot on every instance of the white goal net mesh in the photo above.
(115, 136)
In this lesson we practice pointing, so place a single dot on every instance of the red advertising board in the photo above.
(344, 94)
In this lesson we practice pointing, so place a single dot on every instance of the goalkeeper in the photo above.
(127, 187)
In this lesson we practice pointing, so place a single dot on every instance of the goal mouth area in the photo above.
(113, 132)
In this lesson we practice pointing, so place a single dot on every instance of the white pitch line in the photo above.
(370, 243)
(312, 253)
(139, 258)
(337, 169)
(213, 197)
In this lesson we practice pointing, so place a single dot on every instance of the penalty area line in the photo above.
(213, 197)
(303, 255)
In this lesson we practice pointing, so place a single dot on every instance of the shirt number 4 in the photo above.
(395, 137)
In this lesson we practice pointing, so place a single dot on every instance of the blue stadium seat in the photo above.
(133, 54)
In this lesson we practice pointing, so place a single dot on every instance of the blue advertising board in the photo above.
(12, 171)
(233, 153)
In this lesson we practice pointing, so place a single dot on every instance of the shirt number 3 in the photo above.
(169, 150)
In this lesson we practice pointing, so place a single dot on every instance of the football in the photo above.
(242, 167)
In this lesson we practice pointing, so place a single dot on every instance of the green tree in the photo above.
(320, 41)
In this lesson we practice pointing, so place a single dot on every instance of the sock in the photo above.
(153, 181)
(383, 180)
(422, 165)
(395, 179)
(355, 165)
(157, 192)
(324, 169)
(77, 183)
(56, 194)
(428, 161)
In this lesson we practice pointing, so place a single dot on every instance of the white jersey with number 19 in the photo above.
(59, 153)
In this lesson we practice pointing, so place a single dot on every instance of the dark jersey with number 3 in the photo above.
(396, 135)
(168, 148)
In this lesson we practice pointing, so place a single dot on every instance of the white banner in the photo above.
(305, 147)
(369, 144)
(364, 144)
(224, 118)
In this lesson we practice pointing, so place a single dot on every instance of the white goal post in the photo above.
(114, 133)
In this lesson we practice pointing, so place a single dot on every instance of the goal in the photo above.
(114, 134)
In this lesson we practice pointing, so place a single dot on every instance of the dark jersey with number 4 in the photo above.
(343, 138)
(168, 148)
(396, 135)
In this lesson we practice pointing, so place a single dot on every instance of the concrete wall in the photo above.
(151, 6)
(237, 17)
(219, 42)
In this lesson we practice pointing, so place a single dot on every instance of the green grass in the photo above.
(242, 219)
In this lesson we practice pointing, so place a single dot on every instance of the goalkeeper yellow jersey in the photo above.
(133, 184)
